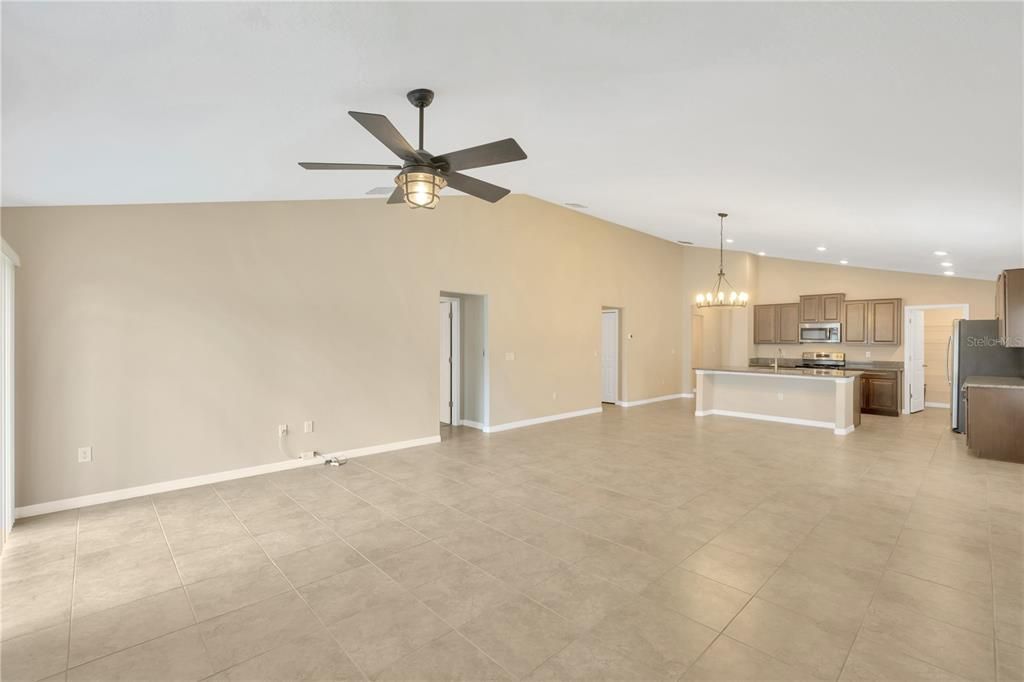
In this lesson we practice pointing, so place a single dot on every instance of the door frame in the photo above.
(9, 262)
(965, 309)
(618, 354)
(456, 359)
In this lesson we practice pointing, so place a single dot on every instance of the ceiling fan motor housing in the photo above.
(420, 97)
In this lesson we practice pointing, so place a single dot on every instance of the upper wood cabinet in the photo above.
(832, 307)
(885, 317)
(822, 308)
(1010, 307)
(766, 327)
(778, 323)
(810, 308)
(789, 322)
(855, 322)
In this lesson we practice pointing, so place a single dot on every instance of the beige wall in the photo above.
(174, 338)
(938, 328)
(783, 281)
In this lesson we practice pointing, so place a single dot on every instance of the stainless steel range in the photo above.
(819, 360)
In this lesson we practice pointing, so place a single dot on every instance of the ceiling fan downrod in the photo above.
(421, 99)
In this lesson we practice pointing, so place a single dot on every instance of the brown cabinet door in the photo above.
(766, 324)
(1012, 329)
(832, 307)
(1001, 305)
(855, 322)
(789, 322)
(884, 320)
(880, 395)
(810, 308)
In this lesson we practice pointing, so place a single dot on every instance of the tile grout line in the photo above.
(74, 577)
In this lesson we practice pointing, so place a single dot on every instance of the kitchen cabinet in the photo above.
(855, 322)
(995, 428)
(822, 308)
(885, 318)
(766, 325)
(789, 322)
(777, 323)
(876, 321)
(1010, 307)
(880, 393)
(810, 308)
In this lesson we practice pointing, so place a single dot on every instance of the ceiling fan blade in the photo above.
(490, 154)
(312, 165)
(477, 188)
(380, 127)
(397, 197)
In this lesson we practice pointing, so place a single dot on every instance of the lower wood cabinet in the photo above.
(995, 428)
(880, 393)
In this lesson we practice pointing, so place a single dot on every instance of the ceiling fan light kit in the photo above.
(422, 176)
(717, 296)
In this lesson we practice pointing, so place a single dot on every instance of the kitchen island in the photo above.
(806, 397)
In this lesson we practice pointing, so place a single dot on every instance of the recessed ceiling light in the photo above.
(729, 241)
(949, 273)
(843, 262)
(760, 253)
(946, 264)
(821, 248)
(940, 253)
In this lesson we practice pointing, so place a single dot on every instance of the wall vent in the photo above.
(573, 204)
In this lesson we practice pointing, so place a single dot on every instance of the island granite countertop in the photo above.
(786, 371)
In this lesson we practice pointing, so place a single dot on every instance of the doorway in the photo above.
(927, 337)
(696, 347)
(610, 355)
(450, 360)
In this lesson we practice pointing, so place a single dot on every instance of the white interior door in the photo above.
(609, 356)
(8, 262)
(446, 362)
(915, 344)
(451, 361)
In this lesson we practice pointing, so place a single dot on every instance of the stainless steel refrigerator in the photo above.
(974, 350)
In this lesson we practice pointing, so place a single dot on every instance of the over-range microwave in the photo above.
(821, 332)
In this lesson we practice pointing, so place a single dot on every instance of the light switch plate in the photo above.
(307, 427)
(510, 355)
(85, 454)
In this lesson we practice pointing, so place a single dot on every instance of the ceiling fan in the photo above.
(422, 175)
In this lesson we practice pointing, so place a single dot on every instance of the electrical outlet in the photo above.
(307, 427)
(282, 429)
(309, 454)
(554, 395)
(85, 454)
(781, 396)
(510, 355)
(867, 354)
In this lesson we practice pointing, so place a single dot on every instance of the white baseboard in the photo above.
(540, 420)
(941, 405)
(206, 479)
(645, 401)
(773, 418)
(473, 425)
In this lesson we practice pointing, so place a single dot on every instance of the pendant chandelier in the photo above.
(718, 296)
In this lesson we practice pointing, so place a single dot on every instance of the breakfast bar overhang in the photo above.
(826, 399)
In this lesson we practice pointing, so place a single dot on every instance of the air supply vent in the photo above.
(573, 204)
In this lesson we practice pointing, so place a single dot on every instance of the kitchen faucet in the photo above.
(775, 360)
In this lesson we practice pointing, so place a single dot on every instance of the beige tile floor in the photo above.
(635, 544)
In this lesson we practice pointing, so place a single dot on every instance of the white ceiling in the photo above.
(883, 131)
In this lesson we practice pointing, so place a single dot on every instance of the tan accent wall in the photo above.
(174, 338)
(938, 328)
